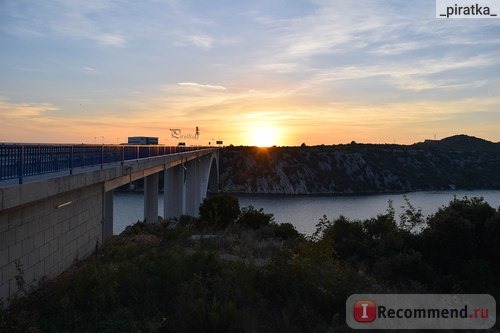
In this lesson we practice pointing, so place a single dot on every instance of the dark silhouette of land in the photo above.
(458, 162)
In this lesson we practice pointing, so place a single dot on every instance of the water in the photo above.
(128, 208)
(305, 211)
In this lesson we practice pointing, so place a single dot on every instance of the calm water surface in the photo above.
(305, 211)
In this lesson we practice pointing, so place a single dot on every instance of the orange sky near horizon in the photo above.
(293, 127)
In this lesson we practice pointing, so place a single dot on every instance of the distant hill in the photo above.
(461, 142)
(458, 162)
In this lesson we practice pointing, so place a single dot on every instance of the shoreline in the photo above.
(325, 194)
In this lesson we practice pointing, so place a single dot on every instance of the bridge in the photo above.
(56, 201)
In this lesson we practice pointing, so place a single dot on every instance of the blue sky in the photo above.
(246, 72)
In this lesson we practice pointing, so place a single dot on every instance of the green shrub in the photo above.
(461, 241)
(220, 210)
(253, 218)
(286, 231)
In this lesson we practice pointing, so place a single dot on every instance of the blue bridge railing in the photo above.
(22, 160)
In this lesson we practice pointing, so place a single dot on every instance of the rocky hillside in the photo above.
(460, 162)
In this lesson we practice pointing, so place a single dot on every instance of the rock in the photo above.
(361, 168)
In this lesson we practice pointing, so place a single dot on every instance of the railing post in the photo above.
(71, 155)
(102, 157)
(21, 165)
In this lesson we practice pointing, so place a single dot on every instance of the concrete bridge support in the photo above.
(174, 195)
(107, 228)
(186, 185)
(151, 198)
(193, 187)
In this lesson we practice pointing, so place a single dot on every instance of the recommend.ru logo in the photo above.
(421, 311)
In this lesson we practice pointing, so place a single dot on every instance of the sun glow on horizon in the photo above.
(264, 135)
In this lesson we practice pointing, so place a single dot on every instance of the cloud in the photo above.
(64, 18)
(89, 70)
(24, 110)
(450, 73)
(401, 47)
(202, 86)
(28, 122)
(375, 32)
(333, 27)
(202, 41)
(279, 67)
(199, 41)
(110, 39)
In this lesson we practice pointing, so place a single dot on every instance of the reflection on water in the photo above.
(305, 211)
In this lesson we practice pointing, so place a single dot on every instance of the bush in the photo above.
(402, 268)
(253, 218)
(462, 238)
(286, 231)
(220, 210)
(348, 239)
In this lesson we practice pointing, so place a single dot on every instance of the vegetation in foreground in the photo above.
(236, 270)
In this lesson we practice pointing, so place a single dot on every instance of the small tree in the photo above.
(412, 218)
(220, 210)
(286, 231)
(253, 218)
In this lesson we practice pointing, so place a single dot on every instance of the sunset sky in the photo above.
(256, 72)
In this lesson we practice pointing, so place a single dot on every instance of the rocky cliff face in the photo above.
(360, 168)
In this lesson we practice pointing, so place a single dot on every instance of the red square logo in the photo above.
(365, 311)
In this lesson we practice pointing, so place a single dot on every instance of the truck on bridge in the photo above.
(142, 140)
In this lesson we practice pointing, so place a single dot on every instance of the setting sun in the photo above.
(264, 136)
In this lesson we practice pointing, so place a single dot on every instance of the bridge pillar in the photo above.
(193, 187)
(174, 191)
(204, 176)
(151, 198)
(107, 229)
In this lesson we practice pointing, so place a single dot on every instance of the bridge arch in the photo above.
(212, 176)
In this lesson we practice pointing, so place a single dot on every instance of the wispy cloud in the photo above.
(24, 110)
(399, 48)
(332, 28)
(110, 39)
(202, 41)
(412, 74)
(279, 67)
(23, 122)
(89, 70)
(202, 86)
(75, 19)
(372, 32)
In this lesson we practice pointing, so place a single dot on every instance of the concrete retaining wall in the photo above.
(45, 237)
